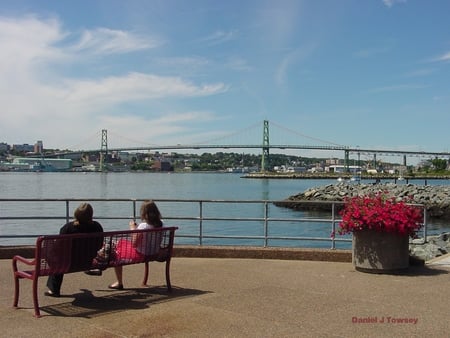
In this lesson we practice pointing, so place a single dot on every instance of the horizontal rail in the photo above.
(196, 223)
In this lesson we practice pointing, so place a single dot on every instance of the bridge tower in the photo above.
(346, 161)
(104, 150)
(265, 148)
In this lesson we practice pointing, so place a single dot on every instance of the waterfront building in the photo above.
(39, 147)
(341, 169)
(25, 148)
(38, 164)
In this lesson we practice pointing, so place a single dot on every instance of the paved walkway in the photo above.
(223, 297)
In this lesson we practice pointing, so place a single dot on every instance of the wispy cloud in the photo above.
(171, 125)
(278, 22)
(395, 88)
(390, 3)
(109, 41)
(136, 86)
(219, 37)
(237, 63)
(289, 60)
(442, 58)
(370, 52)
(420, 72)
(183, 61)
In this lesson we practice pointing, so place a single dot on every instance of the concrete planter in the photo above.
(380, 252)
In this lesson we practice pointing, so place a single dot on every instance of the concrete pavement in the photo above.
(231, 297)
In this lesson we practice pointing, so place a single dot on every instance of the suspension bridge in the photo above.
(265, 147)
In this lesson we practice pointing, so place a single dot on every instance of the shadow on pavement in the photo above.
(425, 271)
(412, 271)
(86, 305)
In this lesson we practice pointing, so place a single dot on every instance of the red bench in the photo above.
(56, 254)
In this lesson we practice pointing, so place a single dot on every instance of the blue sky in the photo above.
(370, 73)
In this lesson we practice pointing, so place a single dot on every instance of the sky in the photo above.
(373, 74)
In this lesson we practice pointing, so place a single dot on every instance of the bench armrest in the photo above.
(24, 260)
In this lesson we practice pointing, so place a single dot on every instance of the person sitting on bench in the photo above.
(83, 223)
(138, 247)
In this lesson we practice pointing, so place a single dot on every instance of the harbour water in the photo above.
(183, 186)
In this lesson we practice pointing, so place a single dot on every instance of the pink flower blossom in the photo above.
(380, 213)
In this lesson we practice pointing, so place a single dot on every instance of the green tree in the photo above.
(439, 164)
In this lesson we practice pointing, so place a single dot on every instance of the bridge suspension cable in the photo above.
(88, 140)
(133, 141)
(243, 131)
(306, 136)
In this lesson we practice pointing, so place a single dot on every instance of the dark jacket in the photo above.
(83, 250)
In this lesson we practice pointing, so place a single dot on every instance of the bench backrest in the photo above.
(79, 252)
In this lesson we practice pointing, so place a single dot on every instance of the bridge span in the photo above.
(265, 146)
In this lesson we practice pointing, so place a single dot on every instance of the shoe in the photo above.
(116, 286)
(94, 272)
(49, 293)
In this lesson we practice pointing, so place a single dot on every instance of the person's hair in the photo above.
(83, 214)
(150, 213)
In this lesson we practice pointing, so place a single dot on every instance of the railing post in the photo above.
(333, 226)
(425, 217)
(67, 212)
(201, 223)
(134, 210)
(266, 224)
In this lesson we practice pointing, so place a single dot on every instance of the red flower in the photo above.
(381, 213)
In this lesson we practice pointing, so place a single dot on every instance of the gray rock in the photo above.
(436, 198)
(435, 246)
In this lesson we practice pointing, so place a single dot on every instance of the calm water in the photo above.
(162, 186)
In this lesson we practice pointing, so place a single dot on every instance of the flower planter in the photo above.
(380, 252)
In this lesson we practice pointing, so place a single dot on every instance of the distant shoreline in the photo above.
(344, 176)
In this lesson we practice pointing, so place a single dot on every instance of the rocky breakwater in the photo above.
(435, 246)
(436, 199)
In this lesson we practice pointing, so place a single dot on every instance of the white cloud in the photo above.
(219, 37)
(390, 3)
(289, 60)
(373, 51)
(27, 41)
(278, 22)
(166, 129)
(109, 41)
(41, 102)
(134, 86)
(445, 57)
(237, 63)
(190, 62)
(395, 88)
(420, 72)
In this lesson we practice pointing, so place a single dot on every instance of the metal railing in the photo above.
(200, 221)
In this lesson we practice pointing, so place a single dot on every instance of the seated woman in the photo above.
(138, 247)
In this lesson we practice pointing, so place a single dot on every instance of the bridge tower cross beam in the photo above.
(265, 148)
(104, 150)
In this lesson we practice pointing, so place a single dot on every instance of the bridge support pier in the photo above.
(265, 148)
(104, 150)
(346, 161)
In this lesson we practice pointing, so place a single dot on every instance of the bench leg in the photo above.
(146, 271)
(37, 313)
(16, 291)
(169, 286)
